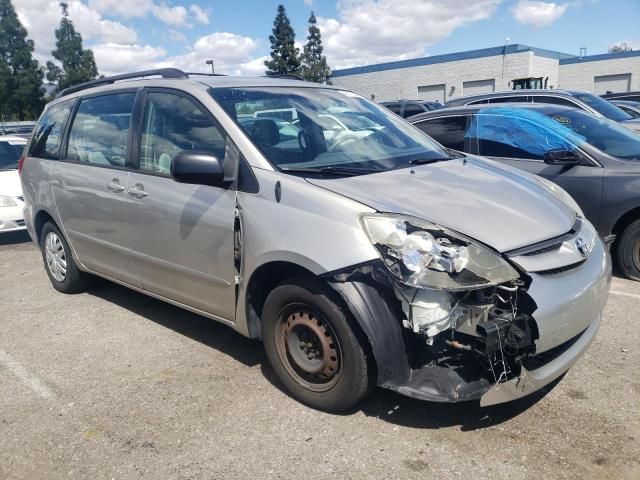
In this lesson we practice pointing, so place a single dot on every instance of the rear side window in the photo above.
(411, 109)
(394, 107)
(516, 99)
(554, 101)
(100, 130)
(47, 135)
(173, 124)
(449, 131)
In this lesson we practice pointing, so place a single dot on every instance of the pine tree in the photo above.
(284, 54)
(78, 64)
(314, 64)
(20, 74)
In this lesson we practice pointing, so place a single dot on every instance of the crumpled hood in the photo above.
(10, 183)
(500, 206)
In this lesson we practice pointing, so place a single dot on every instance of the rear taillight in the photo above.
(20, 164)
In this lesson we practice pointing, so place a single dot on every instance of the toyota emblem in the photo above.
(582, 247)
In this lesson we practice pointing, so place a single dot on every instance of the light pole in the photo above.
(210, 62)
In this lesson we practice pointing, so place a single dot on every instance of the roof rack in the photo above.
(290, 76)
(163, 72)
(207, 74)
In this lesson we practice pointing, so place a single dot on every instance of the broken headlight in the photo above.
(425, 255)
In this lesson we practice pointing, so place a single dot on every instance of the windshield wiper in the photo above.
(426, 161)
(335, 170)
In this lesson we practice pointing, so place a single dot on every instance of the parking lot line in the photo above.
(29, 380)
(625, 294)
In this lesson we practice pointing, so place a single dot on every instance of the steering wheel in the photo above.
(342, 140)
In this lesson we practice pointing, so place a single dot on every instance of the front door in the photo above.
(522, 143)
(89, 185)
(182, 234)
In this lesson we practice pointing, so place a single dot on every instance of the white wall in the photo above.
(580, 76)
(404, 82)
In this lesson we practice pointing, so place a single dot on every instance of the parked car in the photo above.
(629, 106)
(20, 129)
(577, 99)
(635, 96)
(594, 159)
(384, 260)
(11, 201)
(407, 108)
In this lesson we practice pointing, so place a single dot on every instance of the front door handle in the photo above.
(137, 191)
(114, 186)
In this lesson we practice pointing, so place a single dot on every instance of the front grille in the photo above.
(541, 359)
(556, 271)
(547, 249)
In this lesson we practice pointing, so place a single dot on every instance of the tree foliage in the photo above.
(284, 54)
(20, 74)
(77, 64)
(314, 64)
(621, 47)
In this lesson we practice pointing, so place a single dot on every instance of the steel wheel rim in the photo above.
(55, 256)
(308, 348)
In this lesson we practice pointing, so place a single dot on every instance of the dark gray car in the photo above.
(596, 160)
(570, 98)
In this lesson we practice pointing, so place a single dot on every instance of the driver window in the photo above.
(510, 136)
(100, 130)
(173, 124)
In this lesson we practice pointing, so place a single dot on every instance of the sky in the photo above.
(130, 35)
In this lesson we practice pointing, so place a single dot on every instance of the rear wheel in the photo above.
(312, 347)
(58, 261)
(628, 251)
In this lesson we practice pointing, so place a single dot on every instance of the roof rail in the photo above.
(290, 76)
(163, 72)
(206, 74)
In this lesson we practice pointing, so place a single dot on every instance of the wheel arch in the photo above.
(39, 221)
(625, 220)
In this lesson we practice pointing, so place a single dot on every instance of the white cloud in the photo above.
(174, 16)
(113, 58)
(538, 14)
(177, 36)
(199, 15)
(232, 54)
(137, 8)
(42, 17)
(374, 31)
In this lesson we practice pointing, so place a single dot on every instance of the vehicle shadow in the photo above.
(383, 404)
(14, 238)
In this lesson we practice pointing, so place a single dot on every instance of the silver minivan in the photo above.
(360, 251)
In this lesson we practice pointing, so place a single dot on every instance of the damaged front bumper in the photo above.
(564, 306)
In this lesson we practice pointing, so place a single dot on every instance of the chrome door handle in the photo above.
(137, 191)
(114, 186)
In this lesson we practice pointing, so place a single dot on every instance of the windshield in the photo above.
(10, 154)
(325, 129)
(604, 107)
(607, 136)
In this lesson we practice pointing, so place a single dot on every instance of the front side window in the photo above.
(10, 152)
(411, 109)
(449, 131)
(47, 135)
(603, 107)
(518, 133)
(605, 135)
(513, 99)
(336, 129)
(100, 130)
(554, 100)
(173, 124)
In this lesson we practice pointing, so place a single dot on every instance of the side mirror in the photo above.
(199, 168)
(561, 157)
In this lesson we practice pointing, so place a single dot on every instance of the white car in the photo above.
(11, 202)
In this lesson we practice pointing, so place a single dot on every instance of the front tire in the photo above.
(312, 347)
(628, 251)
(58, 261)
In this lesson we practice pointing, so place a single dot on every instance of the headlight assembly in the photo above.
(7, 201)
(425, 255)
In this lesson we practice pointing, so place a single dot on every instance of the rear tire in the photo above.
(58, 262)
(312, 348)
(628, 251)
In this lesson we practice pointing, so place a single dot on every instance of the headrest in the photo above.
(264, 132)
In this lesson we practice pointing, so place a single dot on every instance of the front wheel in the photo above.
(628, 251)
(312, 348)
